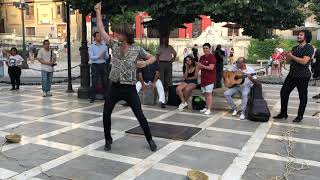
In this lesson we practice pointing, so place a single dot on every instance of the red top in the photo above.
(208, 76)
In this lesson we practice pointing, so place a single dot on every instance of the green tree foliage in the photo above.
(255, 16)
(315, 8)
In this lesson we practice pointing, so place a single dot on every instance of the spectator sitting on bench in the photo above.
(149, 76)
(190, 74)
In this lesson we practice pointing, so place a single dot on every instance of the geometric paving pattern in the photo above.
(63, 139)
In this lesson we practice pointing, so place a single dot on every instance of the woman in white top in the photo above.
(14, 63)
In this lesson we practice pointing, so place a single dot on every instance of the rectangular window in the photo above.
(59, 10)
(233, 32)
(30, 31)
(30, 12)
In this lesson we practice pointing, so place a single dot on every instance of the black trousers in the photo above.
(219, 70)
(289, 84)
(15, 74)
(99, 71)
(129, 94)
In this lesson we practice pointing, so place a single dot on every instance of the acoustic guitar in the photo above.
(234, 78)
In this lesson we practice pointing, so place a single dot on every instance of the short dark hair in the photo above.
(95, 34)
(307, 35)
(14, 49)
(46, 41)
(206, 44)
(124, 29)
(244, 59)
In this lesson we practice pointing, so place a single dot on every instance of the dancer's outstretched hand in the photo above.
(97, 7)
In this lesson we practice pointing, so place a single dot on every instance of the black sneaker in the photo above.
(162, 105)
(91, 100)
(12, 89)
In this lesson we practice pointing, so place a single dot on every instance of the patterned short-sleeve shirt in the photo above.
(297, 69)
(124, 65)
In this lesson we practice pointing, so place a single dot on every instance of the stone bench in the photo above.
(148, 97)
(262, 61)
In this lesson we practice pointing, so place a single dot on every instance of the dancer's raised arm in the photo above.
(100, 26)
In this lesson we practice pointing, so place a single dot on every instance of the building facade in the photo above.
(43, 18)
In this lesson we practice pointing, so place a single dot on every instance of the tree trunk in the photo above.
(164, 33)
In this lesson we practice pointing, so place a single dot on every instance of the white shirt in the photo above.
(248, 71)
(46, 56)
(15, 60)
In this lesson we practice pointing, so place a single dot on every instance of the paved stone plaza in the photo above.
(63, 139)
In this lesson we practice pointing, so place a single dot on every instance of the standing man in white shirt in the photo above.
(48, 60)
(99, 60)
(243, 89)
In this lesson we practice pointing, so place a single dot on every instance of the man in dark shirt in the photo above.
(298, 76)
(195, 52)
(149, 76)
(219, 54)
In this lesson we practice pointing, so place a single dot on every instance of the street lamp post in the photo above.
(83, 91)
(22, 6)
(69, 90)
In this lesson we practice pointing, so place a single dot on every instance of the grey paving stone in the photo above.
(76, 117)
(44, 101)
(300, 150)
(149, 114)
(118, 124)
(221, 138)
(28, 156)
(10, 108)
(236, 125)
(4, 121)
(187, 119)
(100, 108)
(313, 134)
(41, 112)
(134, 146)
(307, 113)
(34, 129)
(18, 98)
(265, 169)
(72, 105)
(306, 121)
(201, 159)
(160, 175)
(87, 168)
(78, 137)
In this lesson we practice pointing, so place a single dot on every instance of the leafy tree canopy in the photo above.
(255, 16)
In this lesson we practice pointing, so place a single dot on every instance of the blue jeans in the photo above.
(46, 80)
(244, 91)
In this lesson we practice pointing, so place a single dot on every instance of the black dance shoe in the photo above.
(107, 146)
(298, 119)
(152, 145)
(281, 116)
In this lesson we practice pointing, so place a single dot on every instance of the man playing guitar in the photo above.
(243, 89)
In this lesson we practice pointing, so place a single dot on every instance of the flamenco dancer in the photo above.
(126, 58)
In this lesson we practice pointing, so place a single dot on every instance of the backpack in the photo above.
(173, 98)
(198, 103)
